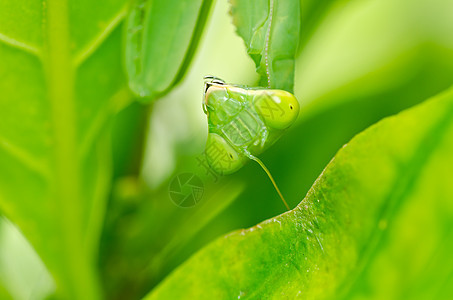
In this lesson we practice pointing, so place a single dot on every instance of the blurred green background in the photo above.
(363, 61)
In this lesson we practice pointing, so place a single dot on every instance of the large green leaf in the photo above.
(270, 30)
(60, 81)
(377, 223)
(161, 39)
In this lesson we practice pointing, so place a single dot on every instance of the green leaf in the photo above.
(160, 40)
(270, 30)
(377, 224)
(55, 106)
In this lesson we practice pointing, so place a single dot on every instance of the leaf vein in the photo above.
(19, 45)
(89, 49)
(25, 158)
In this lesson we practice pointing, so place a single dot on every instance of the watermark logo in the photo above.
(269, 108)
(203, 162)
(186, 190)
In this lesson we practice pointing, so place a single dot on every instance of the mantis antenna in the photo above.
(269, 175)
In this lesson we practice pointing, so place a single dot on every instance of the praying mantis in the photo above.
(243, 122)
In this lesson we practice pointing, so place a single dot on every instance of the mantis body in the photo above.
(243, 122)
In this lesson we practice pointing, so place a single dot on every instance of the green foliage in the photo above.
(104, 226)
(160, 40)
(356, 233)
(270, 30)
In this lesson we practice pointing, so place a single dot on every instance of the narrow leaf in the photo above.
(377, 224)
(270, 30)
(160, 40)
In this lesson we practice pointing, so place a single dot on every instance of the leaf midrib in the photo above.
(267, 42)
(77, 279)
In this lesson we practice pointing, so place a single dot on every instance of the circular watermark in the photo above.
(186, 190)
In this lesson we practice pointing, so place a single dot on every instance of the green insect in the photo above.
(243, 122)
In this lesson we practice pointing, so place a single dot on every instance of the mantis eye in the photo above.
(222, 158)
(209, 81)
(278, 108)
